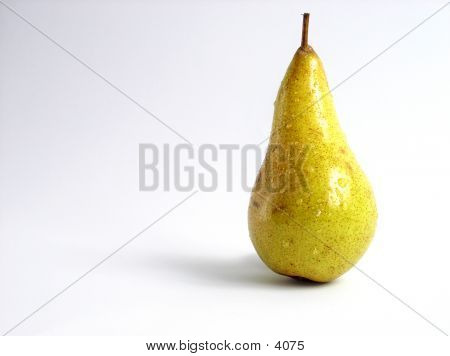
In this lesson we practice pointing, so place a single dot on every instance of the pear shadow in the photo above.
(241, 271)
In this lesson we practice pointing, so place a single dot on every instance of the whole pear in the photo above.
(312, 212)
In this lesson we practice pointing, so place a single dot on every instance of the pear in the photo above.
(312, 211)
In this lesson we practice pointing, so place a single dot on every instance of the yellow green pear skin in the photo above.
(319, 228)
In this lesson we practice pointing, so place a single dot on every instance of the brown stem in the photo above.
(305, 30)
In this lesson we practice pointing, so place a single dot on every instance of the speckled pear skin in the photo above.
(320, 228)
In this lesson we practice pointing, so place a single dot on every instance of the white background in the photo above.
(210, 69)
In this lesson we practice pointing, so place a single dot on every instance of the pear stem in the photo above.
(305, 30)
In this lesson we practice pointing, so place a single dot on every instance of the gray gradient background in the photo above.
(210, 69)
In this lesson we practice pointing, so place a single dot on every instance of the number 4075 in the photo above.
(290, 345)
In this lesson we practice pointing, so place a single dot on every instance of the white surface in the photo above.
(69, 166)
